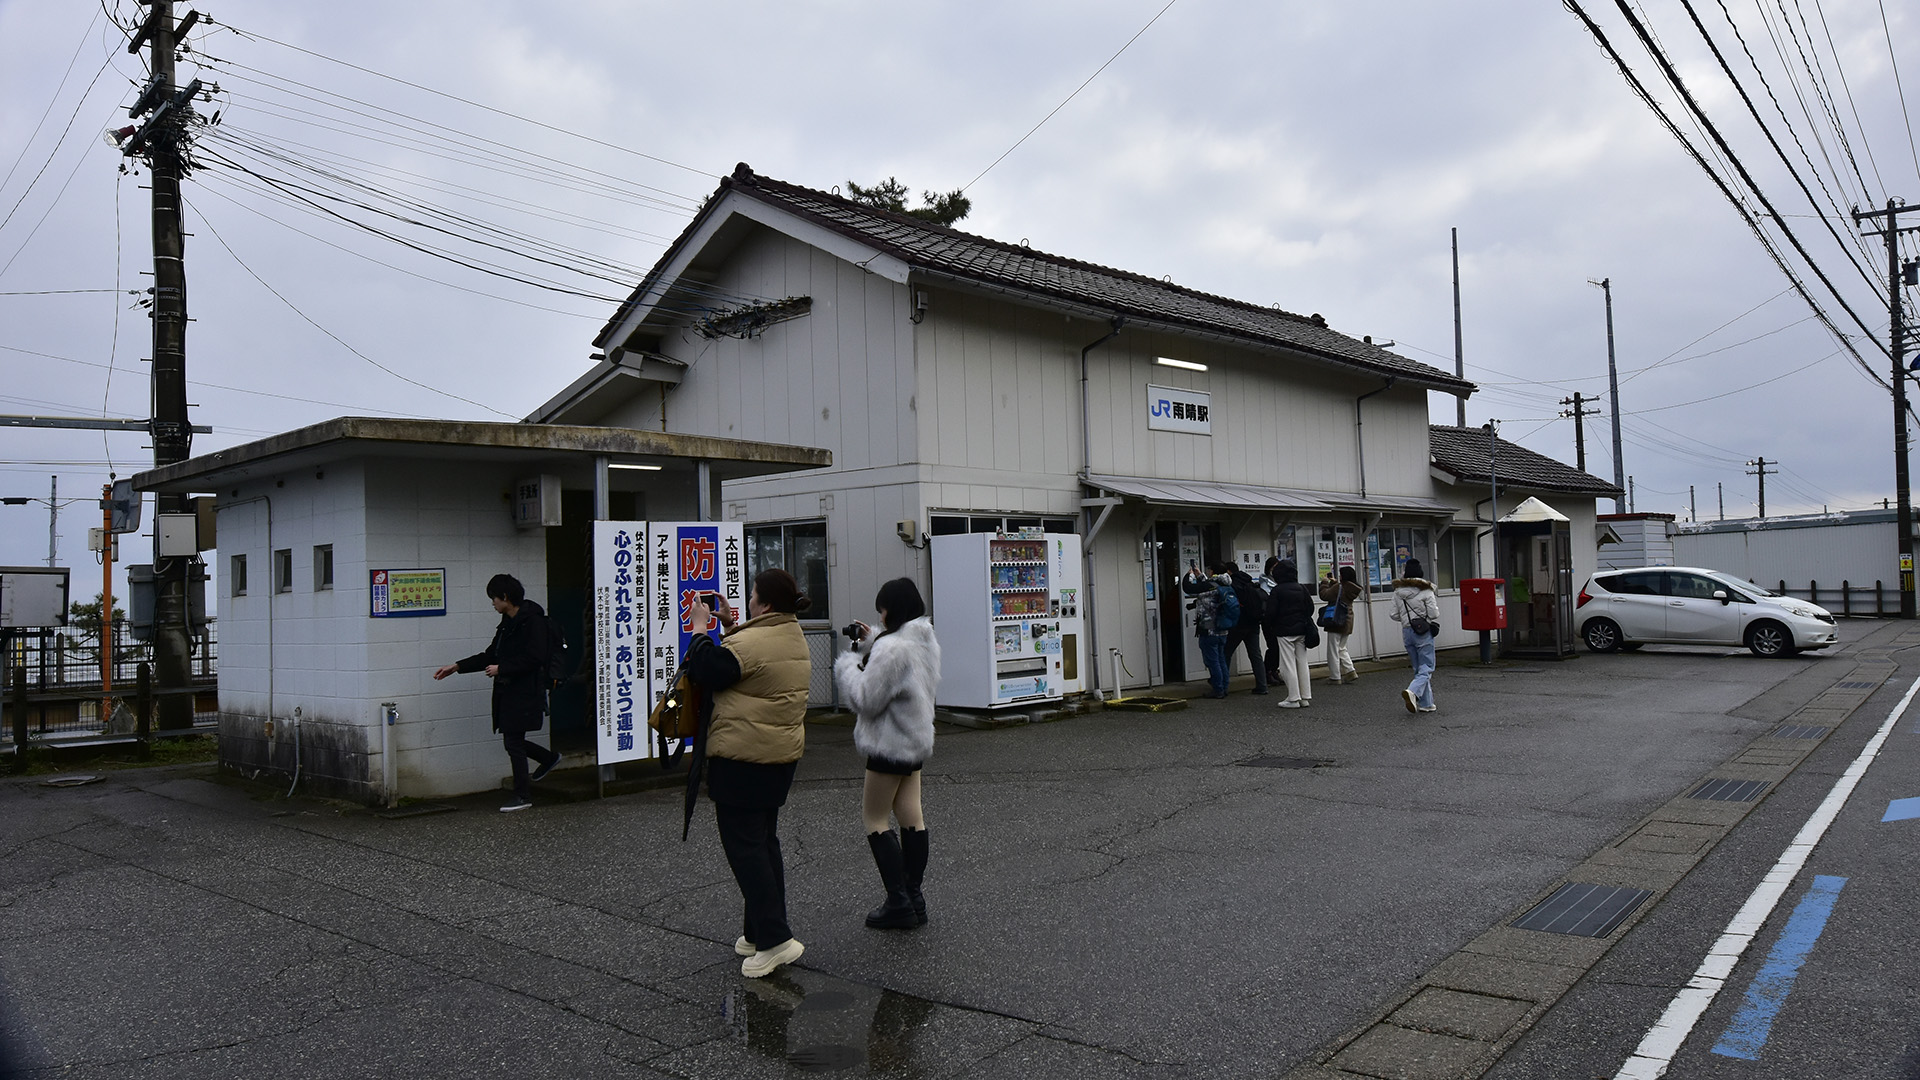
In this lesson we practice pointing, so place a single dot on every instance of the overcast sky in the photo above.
(1309, 155)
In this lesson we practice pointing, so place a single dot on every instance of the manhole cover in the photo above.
(1583, 910)
(1724, 790)
(1268, 761)
(1799, 731)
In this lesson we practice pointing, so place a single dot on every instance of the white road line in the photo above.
(1664, 1039)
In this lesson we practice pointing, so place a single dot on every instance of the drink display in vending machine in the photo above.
(1007, 607)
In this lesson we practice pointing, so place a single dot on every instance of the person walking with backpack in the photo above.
(1417, 610)
(517, 662)
(1215, 611)
(1246, 629)
(1340, 595)
(889, 679)
(1290, 614)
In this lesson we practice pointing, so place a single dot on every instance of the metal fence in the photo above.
(1847, 598)
(52, 680)
(823, 646)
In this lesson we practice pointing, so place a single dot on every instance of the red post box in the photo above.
(1483, 604)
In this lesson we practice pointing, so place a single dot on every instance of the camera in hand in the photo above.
(852, 630)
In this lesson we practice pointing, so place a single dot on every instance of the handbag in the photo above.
(1312, 639)
(1419, 624)
(676, 716)
(1333, 616)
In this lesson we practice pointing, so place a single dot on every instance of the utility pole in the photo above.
(1760, 470)
(1630, 506)
(1693, 509)
(1459, 357)
(163, 141)
(53, 523)
(1721, 489)
(1613, 393)
(1897, 350)
(1578, 411)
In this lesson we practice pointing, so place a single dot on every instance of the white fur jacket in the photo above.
(892, 697)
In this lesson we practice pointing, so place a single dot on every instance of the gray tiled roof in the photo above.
(1462, 452)
(942, 250)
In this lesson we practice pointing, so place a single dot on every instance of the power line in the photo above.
(48, 111)
(305, 399)
(1070, 97)
(54, 153)
(337, 338)
(1897, 85)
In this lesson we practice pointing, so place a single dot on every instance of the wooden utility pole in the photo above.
(1459, 356)
(1576, 409)
(1897, 351)
(1760, 470)
(163, 141)
(1613, 394)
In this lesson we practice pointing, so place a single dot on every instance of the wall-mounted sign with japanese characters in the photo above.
(647, 576)
(401, 593)
(1170, 408)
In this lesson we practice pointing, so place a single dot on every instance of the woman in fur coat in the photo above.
(889, 678)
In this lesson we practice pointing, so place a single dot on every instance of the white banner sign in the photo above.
(646, 578)
(1170, 408)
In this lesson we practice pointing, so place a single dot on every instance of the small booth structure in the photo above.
(353, 558)
(1534, 554)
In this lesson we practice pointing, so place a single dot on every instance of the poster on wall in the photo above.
(1322, 558)
(1343, 548)
(1373, 561)
(1251, 561)
(398, 594)
(646, 578)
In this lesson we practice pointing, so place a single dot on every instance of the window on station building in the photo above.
(322, 567)
(799, 548)
(1455, 557)
(237, 575)
(954, 524)
(1388, 551)
(283, 570)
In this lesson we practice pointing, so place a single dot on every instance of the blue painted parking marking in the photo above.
(1902, 809)
(1746, 1036)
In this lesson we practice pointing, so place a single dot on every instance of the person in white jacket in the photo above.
(1414, 602)
(889, 678)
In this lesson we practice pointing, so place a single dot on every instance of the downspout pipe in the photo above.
(1086, 470)
(1359, 431)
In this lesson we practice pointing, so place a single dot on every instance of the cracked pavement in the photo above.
(1111, 895)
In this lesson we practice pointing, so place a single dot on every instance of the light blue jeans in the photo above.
(1420, 653)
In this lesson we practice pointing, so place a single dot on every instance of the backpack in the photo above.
(1227, 613)
(1252, 600)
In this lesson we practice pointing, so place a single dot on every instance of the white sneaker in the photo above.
(743, 947)
(516, 803)
(1429, 708)
(1413, 703)
(1287, 704)
(1305, 702)
(764, 961)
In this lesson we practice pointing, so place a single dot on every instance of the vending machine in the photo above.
(1008, 609)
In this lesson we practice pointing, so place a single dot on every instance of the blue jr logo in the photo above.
(1161, 407)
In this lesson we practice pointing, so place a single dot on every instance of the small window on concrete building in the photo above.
(952, 524)
(322, 567)
(1455, 557)
(283, 570)
(947, 525)
(237, 576)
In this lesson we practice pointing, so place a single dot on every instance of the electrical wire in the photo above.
(1070, 97)
(57, 147)
(26, 145)
(201, 384)
(337, 338)
(1899, 86)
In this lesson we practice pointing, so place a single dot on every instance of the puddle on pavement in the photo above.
(816, 1023)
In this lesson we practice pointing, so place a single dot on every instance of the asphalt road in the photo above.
(1114, 895)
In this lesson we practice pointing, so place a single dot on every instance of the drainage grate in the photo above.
(1725, 790)
(1583, 910)
(1799, 731)
(1267, 761)
(1855, 686)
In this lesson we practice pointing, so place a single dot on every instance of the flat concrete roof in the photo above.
(559, 448)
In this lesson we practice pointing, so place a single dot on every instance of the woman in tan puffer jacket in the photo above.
(751, 742)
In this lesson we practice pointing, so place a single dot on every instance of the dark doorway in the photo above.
(1181, 657)
(570, 604)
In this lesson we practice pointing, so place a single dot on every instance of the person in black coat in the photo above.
(516, 661)
(1290, 619)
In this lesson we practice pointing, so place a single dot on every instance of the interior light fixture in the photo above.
(636, 468)
(1185, 365)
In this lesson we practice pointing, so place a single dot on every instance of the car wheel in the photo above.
(1769, 640)
(1602, 635)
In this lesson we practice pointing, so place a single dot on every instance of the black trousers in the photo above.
(518, 751)
(1250, 636)
(751, 838)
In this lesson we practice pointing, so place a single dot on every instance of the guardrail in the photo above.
(1878, 600)
(51, 692)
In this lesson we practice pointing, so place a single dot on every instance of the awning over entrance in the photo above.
(1162, 492)
(1414, 505)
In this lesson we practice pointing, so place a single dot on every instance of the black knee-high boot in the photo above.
(897, 912)
(913, 853)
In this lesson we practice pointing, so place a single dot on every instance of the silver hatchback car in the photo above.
(1685, 605)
